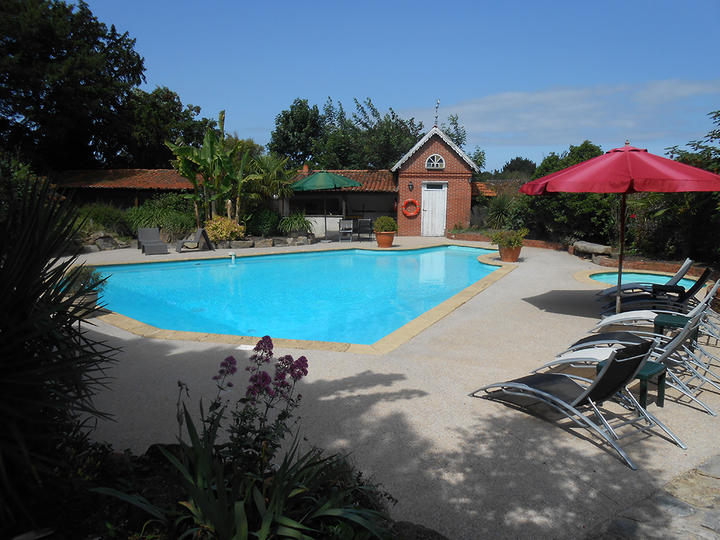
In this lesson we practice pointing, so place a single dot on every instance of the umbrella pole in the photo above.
(622, 251)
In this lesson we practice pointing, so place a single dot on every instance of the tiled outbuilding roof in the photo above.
(124, 179)
(481, 188)
(381, 180)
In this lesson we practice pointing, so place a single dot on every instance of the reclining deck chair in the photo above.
(671, 298)
(640, 286)
(562, 393)
(200, 242)
(688, 367)
(645, 317)
(149, 241)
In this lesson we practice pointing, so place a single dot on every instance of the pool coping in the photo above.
(384, 345)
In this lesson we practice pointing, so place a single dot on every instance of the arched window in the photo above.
(436, 161)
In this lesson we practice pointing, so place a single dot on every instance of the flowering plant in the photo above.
(261, 419)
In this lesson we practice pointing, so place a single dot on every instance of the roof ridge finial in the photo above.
(437, 105)
(627, 142)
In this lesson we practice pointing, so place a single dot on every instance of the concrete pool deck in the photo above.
(468, 468)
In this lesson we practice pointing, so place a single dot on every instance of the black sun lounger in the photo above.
(565, 394)
(200, 242)
(149, 241)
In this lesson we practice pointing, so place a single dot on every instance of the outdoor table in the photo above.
(650, 369)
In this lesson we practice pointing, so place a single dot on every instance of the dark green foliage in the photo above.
(675, 225)
(519, 167)
(332, 140)
(384, 138)
(264, 222)
(49, 367)
(145, 121)
(171, 212)
(295, 223)
(500, 210)
(563, 217)
(295, 132)
(104, 217)
(65, 77)
(567, 216)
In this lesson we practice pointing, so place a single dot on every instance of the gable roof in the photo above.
(124, 179)
(436, 131)
(381, 180)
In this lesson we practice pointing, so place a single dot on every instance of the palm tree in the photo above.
(273, 176)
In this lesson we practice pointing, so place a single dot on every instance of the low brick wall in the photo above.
(650, 266)
(477, 237)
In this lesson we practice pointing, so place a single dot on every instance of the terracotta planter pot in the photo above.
(510, 254)
(385, 239)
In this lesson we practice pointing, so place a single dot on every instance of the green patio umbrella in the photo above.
(323, 181)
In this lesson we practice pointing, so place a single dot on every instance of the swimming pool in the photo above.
(349, 296)
(630, 277)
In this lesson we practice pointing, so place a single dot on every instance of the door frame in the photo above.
(424, 189)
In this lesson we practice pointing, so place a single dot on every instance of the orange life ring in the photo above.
(406, 211)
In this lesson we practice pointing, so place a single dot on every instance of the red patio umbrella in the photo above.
(625, 170)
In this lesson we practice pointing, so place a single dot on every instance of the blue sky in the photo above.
(526, 78)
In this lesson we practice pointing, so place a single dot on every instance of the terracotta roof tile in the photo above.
(481, 188)
(124, 179)
(381, 180)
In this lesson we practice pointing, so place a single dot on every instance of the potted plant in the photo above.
(385, 228)
(509, 243)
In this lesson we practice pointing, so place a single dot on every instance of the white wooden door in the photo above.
(434, 208)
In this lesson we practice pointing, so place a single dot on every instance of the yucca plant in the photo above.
(49, 367)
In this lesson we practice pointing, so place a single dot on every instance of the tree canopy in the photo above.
(332, 140)
(69, 95)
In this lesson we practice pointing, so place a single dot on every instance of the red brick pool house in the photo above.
(434, 186)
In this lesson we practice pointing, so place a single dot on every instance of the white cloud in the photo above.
(659, 110)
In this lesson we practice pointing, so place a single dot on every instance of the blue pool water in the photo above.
(350, 296)
(630, 277)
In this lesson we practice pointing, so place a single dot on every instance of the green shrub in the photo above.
(385, 224)
(500, 210)
(295, 223)
(171, 212)
(222, 229)
(263, 222)
(103, 217)
(50, 368)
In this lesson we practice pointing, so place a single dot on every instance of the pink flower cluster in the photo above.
(266, 388)
(227, 367)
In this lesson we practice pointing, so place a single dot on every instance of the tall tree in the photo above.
(704, 153)
(338, 146)
(385, 138)
(455, 130)
(146, 121)
(519, 167)
(63, 79)
(295, 133)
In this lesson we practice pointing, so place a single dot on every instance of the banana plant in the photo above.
(212, 162)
